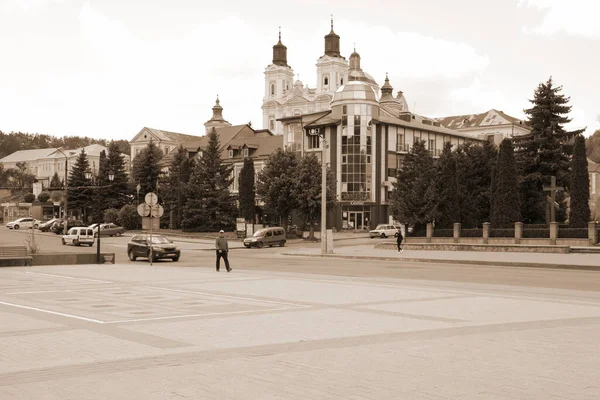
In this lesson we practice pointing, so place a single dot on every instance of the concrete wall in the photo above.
(69, 258)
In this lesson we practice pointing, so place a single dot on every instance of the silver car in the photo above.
(384, 230)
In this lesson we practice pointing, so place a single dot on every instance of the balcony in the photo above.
(402, 148)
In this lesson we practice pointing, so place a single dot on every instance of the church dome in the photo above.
(355, 90)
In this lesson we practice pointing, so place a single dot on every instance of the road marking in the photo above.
(202, 315)
(52, 312)
(56, 291)
(69, 277)
(226, 296)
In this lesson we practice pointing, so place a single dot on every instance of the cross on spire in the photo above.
(331, 21)
(280, 34)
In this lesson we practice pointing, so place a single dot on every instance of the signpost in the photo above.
(150, 208)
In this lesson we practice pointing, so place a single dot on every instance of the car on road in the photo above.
(58, 226)
(162, 247)
(78, 236)
(109, 229)
(26, 222)
(266, 237)
(46, 225)
(384, 230)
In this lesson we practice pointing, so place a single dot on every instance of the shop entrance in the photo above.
(355, 218)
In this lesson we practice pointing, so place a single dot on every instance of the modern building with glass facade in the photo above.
(363, 138)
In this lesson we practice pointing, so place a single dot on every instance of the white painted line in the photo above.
(203, 315)
(57, 291)
(52, 312)
(69, 277)
(226, 296)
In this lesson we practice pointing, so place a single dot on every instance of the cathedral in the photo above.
(285, 97)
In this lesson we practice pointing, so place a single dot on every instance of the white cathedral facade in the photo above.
(285, 97)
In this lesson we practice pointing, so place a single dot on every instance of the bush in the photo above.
(578, 233)
(502, 233)
(43, 197)
(29, 198)
(474, 232)
(442, 233)
(111, 215)
(128, 217)
(536, 233)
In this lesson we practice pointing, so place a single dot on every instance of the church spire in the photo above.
(217, 119)
(280, 53)
(332, 43)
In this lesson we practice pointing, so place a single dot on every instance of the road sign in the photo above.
(157, 211)
(151, 198)
(143, 209)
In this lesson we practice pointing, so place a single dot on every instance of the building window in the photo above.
(272, 125)
(137, 151)
(342, 81)
(166, 149)
(272, 89)
(326, 81)
(230, 153)
(245, 151)
(356, 174)
(314, 141)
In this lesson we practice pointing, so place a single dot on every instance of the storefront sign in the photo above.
(357, 203)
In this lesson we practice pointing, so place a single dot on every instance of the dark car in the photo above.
(58, 226)
(109, 229)
(45, 226)
(162, 247)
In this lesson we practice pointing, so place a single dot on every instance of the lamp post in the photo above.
(111, 176)
(66, 185)
(321, 134)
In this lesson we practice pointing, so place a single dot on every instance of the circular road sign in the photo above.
(160, 211)
(143, 209)
(151, 198)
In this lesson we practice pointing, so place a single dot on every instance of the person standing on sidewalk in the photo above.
(399, 240)
(222, 249)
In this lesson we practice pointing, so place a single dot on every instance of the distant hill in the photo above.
(592, 147)
(15, 141)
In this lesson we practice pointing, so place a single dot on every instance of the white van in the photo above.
(78, 236)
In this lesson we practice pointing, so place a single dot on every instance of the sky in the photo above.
(108, 68)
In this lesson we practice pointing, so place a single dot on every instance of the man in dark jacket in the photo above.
(399, 241)
(222, 250)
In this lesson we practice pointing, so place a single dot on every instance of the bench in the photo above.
(15, 255)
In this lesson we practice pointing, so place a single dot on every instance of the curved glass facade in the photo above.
(356, 153)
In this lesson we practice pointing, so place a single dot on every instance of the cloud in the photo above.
(574, 17)
(29, 5)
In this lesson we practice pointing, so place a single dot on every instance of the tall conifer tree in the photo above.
(444, 198)
(247, 191)
(176, 181)
(146, 170)
(580, 186)
(546, 150)
(79, 193)
(506, 209)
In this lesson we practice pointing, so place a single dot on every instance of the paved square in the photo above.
(164, 332)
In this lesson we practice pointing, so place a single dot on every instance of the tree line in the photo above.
(476, 183)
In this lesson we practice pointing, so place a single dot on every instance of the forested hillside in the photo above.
(14, 141)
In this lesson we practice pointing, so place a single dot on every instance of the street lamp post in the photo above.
(321, 134)
(111, 176)
(66, 185)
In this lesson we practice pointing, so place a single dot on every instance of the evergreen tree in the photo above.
(79, 193)
(307, 190)
(146, 171)
(209, 205)
(443, 198)
(99, 192)
(474, 171)
(118, 192)
(411, 189)
(176, 181)
(506, 204)
(247, 192)
(56, 183)
(580, 186)
(545, 151)
(276, 184)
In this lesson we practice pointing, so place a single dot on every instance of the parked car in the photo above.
(78, 236)
(45, 226)
(58, 227)
(266, 237)
(162, 247)
(26, 222)
(384, 231)
(108, 229)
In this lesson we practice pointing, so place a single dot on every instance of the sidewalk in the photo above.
(590, 262)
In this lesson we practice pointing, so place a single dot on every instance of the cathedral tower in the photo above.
(332, 68)
(217, 119)
(279, 78)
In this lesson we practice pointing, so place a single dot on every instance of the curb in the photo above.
(464, 262)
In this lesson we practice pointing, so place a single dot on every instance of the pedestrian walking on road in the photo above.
(222, 249)
(399, 240)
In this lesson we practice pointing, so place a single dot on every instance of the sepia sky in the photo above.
(107, 68)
